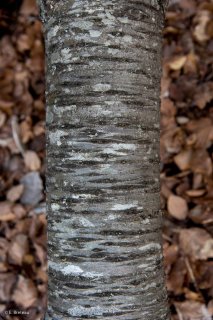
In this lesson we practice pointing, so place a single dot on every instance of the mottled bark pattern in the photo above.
(104, 223)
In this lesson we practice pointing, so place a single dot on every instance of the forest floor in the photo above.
(186, 160)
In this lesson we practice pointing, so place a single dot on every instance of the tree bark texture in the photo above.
(104, 222)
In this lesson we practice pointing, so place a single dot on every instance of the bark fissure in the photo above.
(104, 220)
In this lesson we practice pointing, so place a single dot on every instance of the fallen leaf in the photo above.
(201, 20)
(177, 207)
(23, 43)
(175, 278)
(26, 130)
(28, 8)
(183, 159)
(204, 94)
(202, 130)
(39, 128)
(42, 275)
(32, 161)
(170, 255)
(189, 5)
(177, 63)
(197, 181)
(196, 243)
(40, 253)
(210, 307)
(191, 295)
(167, 108)
(200, 214)
(7, 280)
(19, 211)
(193, 310)
(3, 267)
(28, 259)
(201, 162)
(15, 193)
(191, 63)
(25, 293)
(204, 276)
(195, 193)
(2, 118)
(18, 249)
(6, 211)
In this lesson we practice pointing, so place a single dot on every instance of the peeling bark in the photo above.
(104, 221)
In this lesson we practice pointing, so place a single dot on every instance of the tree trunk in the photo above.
(104, 221)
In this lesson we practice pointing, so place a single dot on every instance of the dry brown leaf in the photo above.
(28, 259)
(201, 162)
(23, 43)
(191, 63)
(177, 207)
(191, 295)
(28, 8)
(3, 267)
(26, 130)
(168, 108)
(7, 280)
(2, 118)
(189, 5)
(195, 193)
(205, 276)
(191, 140)
(183, 186)
(42, 275)
(165, 191)
(177, 63)
(40, 253)
(175, 279)
(201, 215)
(196, 243)
(192, 310)
(4, 245)
(19, 211)
(6, 211)
(204, 94)
(170, 255)
(197, 181)
(18, 249)
(25, 293)
(183, 159)
(165, 83)
(171, 142)
(15, 193)
(202, 19)
(210, 307)
(6, 106)
(39, 128)
(168, 112)
(32, 161)
(203, 128)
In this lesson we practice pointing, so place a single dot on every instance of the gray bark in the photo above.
(104, 221)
